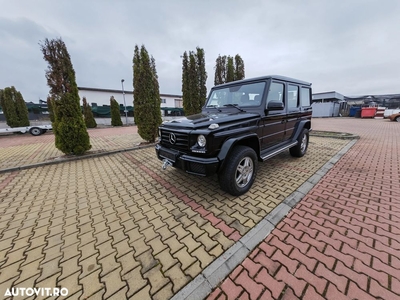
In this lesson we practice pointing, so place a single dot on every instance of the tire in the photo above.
(239, 172)
(397, 119)
(35, 131)
(302, 144)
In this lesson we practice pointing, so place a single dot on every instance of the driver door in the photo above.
(274, 122)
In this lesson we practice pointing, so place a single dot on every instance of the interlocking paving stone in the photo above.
(126, 227)
(335, 243)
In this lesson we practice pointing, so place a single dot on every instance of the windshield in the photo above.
(241, 95)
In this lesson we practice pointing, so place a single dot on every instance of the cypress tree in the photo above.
(193, 86)
(8, 106)
(230, 70)
(115, 112)
(88, 115)
(185, 83)
(14, 107)
(71, 136)
(239, 67)
(217, 75)
(22, 110)
(223, 68)
(155, 103)
(147, 102)
(202, 74)
(194, 77)
(50, 109)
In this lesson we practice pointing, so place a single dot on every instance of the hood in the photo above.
(204, 119)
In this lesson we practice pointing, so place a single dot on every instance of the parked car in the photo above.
(395, 117)
(242, 122)
(389, 112)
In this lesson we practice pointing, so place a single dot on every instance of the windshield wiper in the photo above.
(234, 105)
(214, 106)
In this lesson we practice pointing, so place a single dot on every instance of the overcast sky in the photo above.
(349, 46)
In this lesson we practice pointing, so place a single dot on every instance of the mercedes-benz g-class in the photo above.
(243, 122)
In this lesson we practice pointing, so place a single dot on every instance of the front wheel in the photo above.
(239, 172)
(397, 119)
(302, 144)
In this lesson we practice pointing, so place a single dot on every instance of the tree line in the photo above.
(70, 122)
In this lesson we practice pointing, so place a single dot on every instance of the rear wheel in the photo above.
(239, 172)
(397, 119)
(35, 131)
(302, 144)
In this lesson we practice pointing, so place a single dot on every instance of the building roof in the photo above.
(81, 88)
(374, 97)
(328, 96)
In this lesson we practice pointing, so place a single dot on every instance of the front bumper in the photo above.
(191, 164)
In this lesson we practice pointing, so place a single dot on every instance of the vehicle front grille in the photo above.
(181, 141)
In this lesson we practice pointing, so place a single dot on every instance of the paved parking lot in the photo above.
(117, 226)
(18, 150)
(342, 240)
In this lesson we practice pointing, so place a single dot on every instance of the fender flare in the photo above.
(300, 128)
(230, 143)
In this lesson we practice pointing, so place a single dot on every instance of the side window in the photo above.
(275, 92)
(293, 96)
(305, 96)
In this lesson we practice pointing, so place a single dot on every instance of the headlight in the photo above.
(201, 140)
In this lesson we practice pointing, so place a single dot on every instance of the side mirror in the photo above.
(275, 105)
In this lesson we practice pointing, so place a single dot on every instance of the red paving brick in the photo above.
(230, 232)
(342, 240)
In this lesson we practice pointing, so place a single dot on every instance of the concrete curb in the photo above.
(69, 159)
(334, 135)
(201, 286)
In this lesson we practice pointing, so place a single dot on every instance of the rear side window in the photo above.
(305, 96)
(293, 96)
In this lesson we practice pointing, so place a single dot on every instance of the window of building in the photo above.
(178, 103)
(163, 100)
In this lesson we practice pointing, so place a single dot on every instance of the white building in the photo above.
(102, 97)
(327, 104)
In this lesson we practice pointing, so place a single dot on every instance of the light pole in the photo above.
(123, 95)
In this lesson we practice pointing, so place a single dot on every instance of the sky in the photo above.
(348, 46)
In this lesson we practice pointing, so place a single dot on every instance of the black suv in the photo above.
(242, 122)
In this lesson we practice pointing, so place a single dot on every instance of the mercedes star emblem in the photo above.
(172, 138)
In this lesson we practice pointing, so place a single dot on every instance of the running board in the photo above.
(269, 155)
